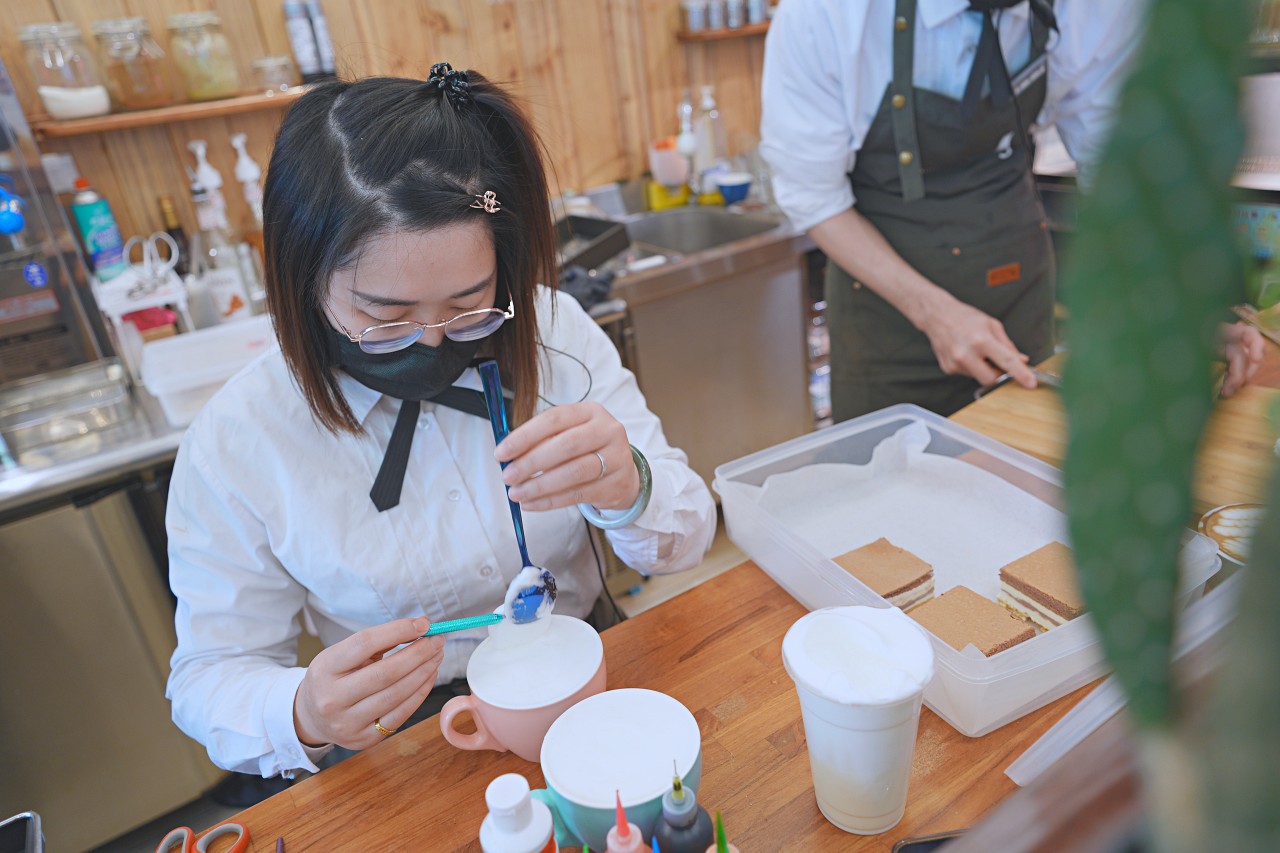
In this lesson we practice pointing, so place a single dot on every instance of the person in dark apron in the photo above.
(954, 196)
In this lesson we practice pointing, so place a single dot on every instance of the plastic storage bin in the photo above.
(64, 404)
(183, 372)
(794, 543)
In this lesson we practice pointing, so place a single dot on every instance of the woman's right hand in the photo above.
(969, 342)
(351, 685)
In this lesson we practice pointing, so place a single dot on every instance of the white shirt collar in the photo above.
(935, 12)
(361, 398)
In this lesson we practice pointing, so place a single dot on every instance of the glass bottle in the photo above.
(214, 262)
(179, 235)
(64, 70)
(203, 56)
(133, 64)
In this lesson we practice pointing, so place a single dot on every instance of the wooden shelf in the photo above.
(718, 35)
(50, 129)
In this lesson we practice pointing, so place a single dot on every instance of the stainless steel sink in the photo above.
(687, 230)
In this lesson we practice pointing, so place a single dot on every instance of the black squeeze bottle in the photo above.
(685, 826)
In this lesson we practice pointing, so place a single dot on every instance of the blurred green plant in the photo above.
(1153, 269)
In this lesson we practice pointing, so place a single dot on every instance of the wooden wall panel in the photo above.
(600, 78)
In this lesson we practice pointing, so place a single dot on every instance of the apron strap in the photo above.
(902, 99)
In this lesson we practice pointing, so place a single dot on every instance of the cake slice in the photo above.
(960, 616)
(1042, 588)
(896, 575)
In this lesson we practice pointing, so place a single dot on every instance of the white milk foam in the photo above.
(527, 666)
(859, 655)
(621, 739)
(525, 578)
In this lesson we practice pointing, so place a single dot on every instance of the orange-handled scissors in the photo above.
(183, 840)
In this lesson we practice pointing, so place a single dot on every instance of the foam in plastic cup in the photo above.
(860, 673)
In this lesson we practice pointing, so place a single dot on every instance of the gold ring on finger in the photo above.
(383, 730)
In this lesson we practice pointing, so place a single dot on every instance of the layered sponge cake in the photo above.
(960, 616)
(1042, 587)
(895, 574)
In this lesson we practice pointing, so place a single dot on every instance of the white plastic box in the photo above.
(975, 694)
(184, 371)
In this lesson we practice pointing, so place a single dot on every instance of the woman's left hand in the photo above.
(569, 455)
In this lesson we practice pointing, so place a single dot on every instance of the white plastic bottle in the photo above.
(516, 823)
(710, 156)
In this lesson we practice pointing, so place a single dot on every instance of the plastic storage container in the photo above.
(64, 71)
(65, 404)
(1021, 494)
(183, 372)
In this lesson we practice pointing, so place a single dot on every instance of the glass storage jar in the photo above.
(64, 71)
(273, 75)
(203, 56)
(133, 64)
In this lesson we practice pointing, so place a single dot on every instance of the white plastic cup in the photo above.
(695, 15)
(860, 751)
(715, 15)
(735, 13)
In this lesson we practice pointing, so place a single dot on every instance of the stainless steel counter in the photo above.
(58, 472)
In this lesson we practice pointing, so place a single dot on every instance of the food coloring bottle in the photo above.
(516, 823)
(722, 844)
(625, 836)
(685, 826)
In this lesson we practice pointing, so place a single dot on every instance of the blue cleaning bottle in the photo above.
(685, 826)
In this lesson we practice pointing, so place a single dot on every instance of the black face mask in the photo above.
(417, 372)
(413, 374)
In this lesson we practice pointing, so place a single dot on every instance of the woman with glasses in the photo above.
(348, 481)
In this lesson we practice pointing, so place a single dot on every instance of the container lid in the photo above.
(191, 20)
(120, 26)
(205, 356)
(55, 29)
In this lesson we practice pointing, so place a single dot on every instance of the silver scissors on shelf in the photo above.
(153, 269)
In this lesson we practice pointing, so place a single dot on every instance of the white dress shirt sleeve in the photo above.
(676, 529)
(805, 133)
(1088, 64)
(234, 673)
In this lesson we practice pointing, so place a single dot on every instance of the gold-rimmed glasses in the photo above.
(467, 326)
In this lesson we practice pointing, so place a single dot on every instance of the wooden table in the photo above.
(717, 649)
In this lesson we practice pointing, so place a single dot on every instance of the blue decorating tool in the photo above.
(463, 624)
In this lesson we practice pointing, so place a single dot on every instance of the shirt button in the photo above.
(455, 495)
(424, 423)
(486, 571)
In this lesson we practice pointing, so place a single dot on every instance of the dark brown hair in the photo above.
(355, 159)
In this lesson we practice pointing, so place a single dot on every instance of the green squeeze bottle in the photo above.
(685, 826)
(99, 231)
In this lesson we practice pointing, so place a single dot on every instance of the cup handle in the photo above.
(564, 835)
(481, 739)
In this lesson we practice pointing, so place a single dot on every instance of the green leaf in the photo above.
(1152, 266)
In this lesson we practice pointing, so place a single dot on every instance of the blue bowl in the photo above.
(734, 186)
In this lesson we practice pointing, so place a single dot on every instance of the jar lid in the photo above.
(191, 20)
(55, 29)
(272, 62)
(120, 26)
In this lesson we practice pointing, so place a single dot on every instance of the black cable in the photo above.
(617, 612)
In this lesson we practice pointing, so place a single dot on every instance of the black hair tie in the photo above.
(454, 84)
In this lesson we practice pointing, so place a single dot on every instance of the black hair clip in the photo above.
(454, 84)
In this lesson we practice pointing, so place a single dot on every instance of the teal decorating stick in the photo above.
(463, 624)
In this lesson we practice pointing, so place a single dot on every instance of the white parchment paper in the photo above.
(964, 521)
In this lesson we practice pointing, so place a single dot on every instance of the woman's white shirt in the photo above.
(270, 524)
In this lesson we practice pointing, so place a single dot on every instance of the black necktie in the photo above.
(988, 62)
(386, 486)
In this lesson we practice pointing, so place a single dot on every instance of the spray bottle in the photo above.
(209, 177)
(685, 826)
(722, 844)
(99, 231)
(248, 173)
(625, 836)
(516, 823)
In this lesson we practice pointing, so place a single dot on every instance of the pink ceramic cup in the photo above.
(512, 725)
